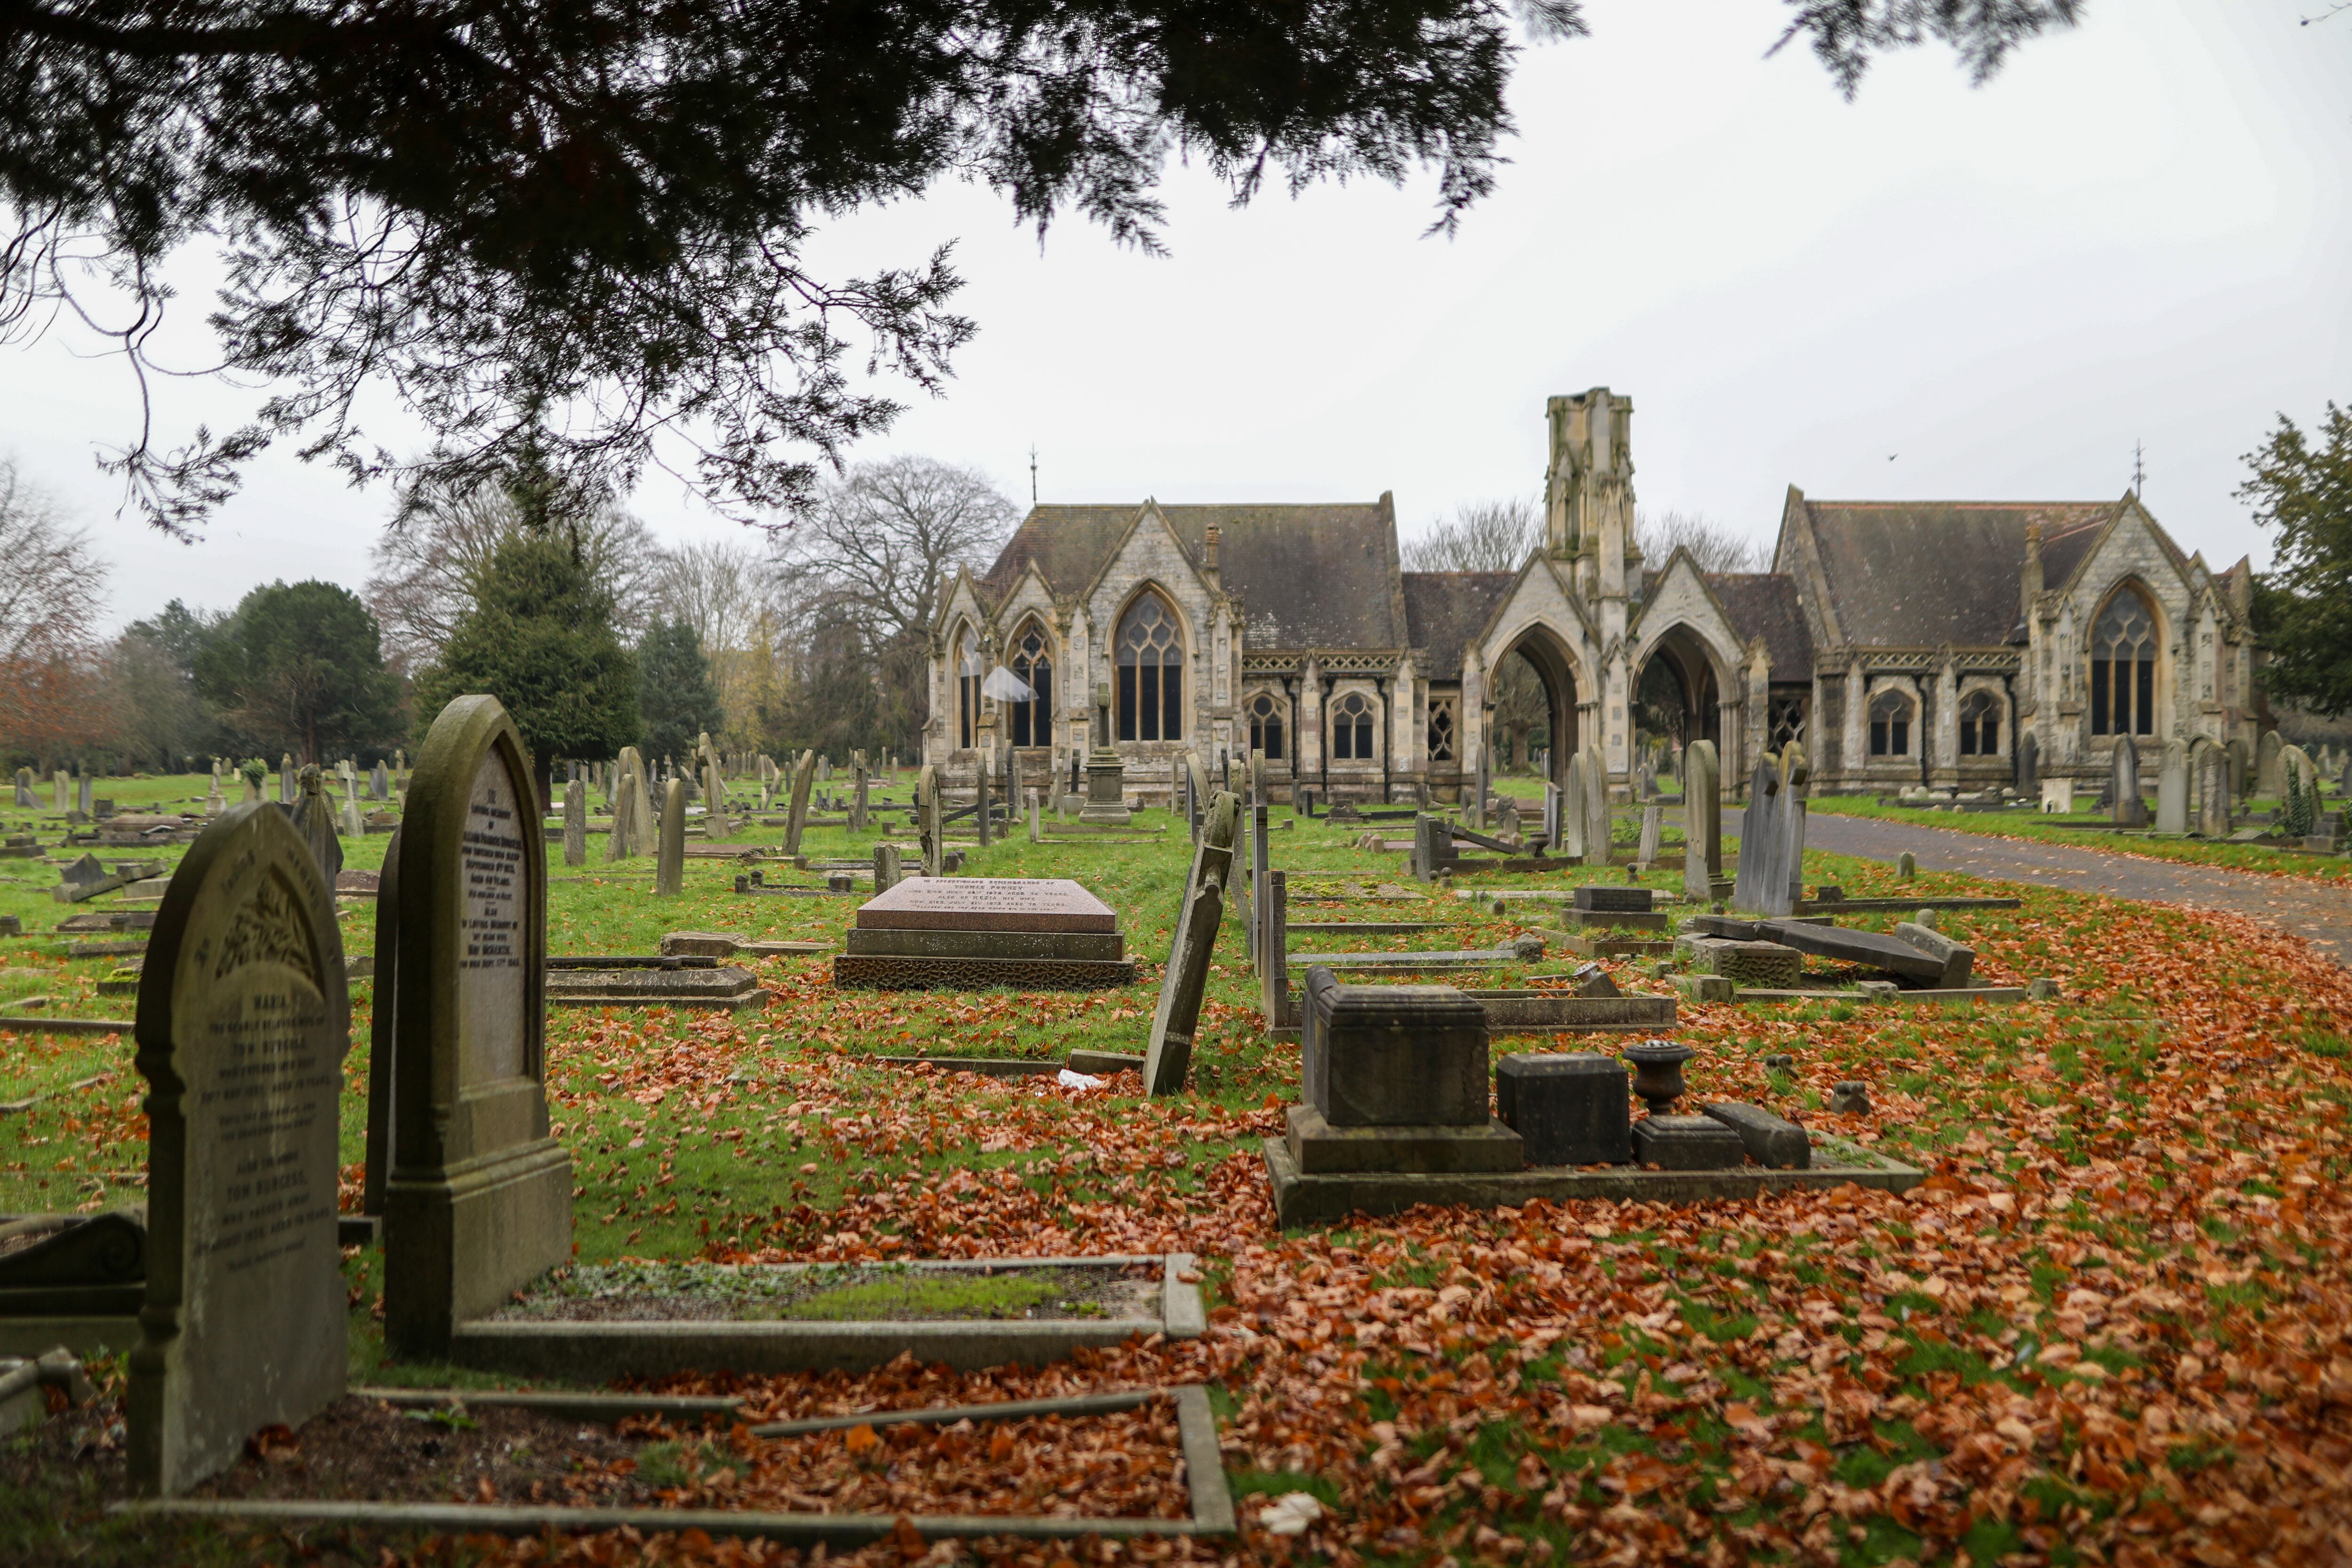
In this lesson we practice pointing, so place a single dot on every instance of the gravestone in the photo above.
(1653, 824)
(479, 1201)
(2123, 784)
(804, 774)
(1906, 866)
(669, 867)
(380, 782)
(885, 866)
(642, 829)
(2212, 782)
(83, 802)
(2028, 781)
(2266, 765)
(1596, 809)
(314, 822)
(1702, 820)
(1571, 1109)
(1167, 1056)
(384, 1035)
(928, 826)
(2172, 790)
(243, 1023)
(1395, 1078)
(2241, 767)
(575, 824)
(966, 933)
(858, 808)
(1771, 841)
(619, 842)
(289, 789)
(1570, 809)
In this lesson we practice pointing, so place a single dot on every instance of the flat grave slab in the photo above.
(987, 903)
(720, 985)
(1301, 1198)
(882, 972)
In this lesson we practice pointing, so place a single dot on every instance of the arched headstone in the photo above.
(2172, 790)
(479, 1201)
(244, 1019)
(2123, 783)
(2266, 765)
(314, 822)
(1701, 819)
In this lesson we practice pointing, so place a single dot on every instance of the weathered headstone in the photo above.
(1571, 1109)
(481, 1196)
(243, 1023)
(1573, 819)
(384, 1034)
(885, 866)
(858, 808)
(1653, 825)
(2212, 782)
(2129, 810)
(1763, 882)
(1168, 1057)
(26, 799)
(1906, 866)
(1395, 1078)
(804, 774)
(289, 788)
(314, 822)
(575, 824)
(1702, 820)
(380, 782)
(932, 830)
(618, 842)
(669, 866)
(643, 830)
(2172, 790)
(2266, 765)
(2028, 781)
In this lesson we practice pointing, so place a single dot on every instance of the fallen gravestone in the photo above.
(244, 1020)
(966, 933)
(664, 981)
(480, 1200)
(1167, 1056)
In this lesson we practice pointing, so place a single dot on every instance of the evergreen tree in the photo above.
(2303, 605)
(540, 639)
(299, 667)
(675, 691)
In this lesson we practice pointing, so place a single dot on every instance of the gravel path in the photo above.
(2318, 911)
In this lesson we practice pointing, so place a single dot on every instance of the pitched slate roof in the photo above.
(1765, 605)
(1310, 576)
(1443, 610)
(1923, 573)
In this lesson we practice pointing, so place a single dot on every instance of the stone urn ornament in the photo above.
(1658, 1072)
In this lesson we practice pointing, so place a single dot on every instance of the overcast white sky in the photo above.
(2141, 230)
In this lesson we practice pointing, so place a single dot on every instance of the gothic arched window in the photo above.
(1032, 661)
(967, 687)
(1351, 729)
(1150, 672)
(2122, 668)
(1980, 725)
(1266, 725)
(1890, 724)
(1441, 728)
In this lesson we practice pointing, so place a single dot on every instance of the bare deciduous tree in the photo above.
(429, 558)
(52, 592)
(1714, 546)
(1482, 536)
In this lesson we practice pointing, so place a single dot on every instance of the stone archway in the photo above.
(1677, 694)
(1555, 671)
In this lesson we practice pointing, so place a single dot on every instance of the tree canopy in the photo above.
(583, 223)
(2303, 605)
(540, 639)
(299, 667)
(675, 696)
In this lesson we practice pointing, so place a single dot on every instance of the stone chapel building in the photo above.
(1901, 642)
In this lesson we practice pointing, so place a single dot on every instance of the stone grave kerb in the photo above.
(480, 1200)
(243, 1020)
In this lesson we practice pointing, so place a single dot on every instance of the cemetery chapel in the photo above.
(1955, 644)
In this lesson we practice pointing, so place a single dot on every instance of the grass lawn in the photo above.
(2113, 1327)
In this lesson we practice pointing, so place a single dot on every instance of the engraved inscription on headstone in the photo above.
(243, 1022)
(490, 956)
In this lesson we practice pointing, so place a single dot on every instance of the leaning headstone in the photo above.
(314, 821)
(575, 824)
(670, 868)
(2172, 790)
(804, 773)
(2266, 765)
(479, 1201)
(1702, 821)
(243, 1023)
(1169, 1055)
(2130, 810)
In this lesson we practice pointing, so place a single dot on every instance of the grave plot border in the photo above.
(1300, 1199)
(1213, 1513)
(574, 1349)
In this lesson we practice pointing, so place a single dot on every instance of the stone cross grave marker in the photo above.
(243, 1022)
(479, 1201)
(804, 774)
(575, 824)
(1168, 1057)
(669, 866)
